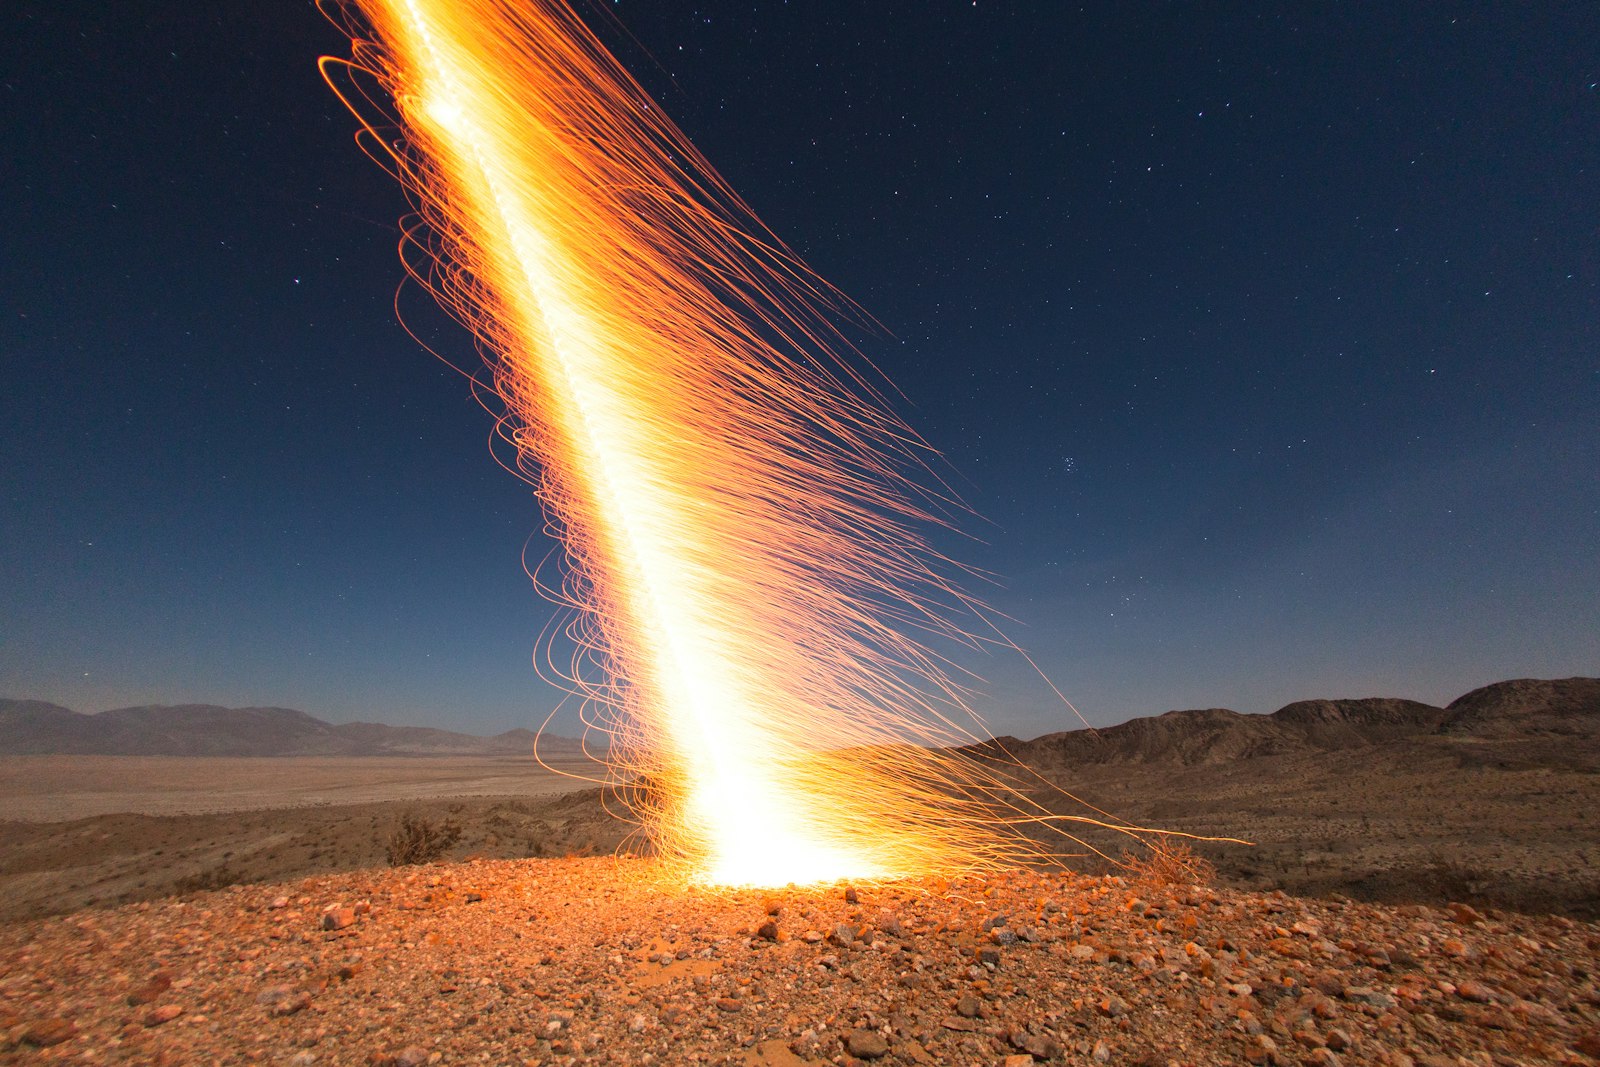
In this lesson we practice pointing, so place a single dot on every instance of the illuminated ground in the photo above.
(596, 961)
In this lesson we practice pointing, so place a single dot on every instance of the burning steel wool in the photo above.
(755, 608)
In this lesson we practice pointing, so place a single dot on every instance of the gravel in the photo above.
(605, 961)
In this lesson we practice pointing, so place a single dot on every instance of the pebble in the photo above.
(149, 991)
(866, 1044)
(48, 1032)
(164, 1014)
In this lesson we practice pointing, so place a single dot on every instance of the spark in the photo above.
(755, 609)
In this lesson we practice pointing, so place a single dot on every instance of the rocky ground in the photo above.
(604, 961)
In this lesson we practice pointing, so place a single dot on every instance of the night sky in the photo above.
(1266, 344)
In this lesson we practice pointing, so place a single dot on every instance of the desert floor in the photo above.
(1511, 826)
(82, 831)
(63, 788)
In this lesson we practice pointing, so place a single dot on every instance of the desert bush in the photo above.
(205, 881)
(419, 840)
(1169, 862)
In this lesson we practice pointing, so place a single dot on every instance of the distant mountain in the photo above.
(1524, 709)
(1527, 707)
(34, 727)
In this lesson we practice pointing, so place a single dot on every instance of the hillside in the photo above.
(1518, 710)
(37, 728)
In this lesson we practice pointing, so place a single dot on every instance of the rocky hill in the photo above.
(34, 727)
(1523, 709)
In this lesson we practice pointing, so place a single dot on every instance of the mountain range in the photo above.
(1522, 709)
(35, 727)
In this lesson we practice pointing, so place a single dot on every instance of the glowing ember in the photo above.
(737, 506)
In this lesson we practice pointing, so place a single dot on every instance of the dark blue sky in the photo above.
(1267, 344)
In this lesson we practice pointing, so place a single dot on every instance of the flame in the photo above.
(740, 509)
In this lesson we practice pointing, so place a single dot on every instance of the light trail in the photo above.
(740, 510)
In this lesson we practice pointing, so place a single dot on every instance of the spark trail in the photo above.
(740, 510)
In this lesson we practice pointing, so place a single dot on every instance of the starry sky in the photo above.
(1264, 339)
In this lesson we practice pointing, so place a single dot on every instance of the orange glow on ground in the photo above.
(739, 510)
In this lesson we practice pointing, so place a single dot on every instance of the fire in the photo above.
(739, 509)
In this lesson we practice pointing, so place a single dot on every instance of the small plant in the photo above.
(205, 881)
(1170, 863)
(419, 840)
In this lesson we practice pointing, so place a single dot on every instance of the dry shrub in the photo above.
(216, 878)
(419, 840)
(1169, 862)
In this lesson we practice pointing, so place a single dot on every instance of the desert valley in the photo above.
(205, 885)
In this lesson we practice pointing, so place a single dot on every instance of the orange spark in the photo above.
(739, 509)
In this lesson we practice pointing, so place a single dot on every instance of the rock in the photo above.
(1036, 1045)
(164, 1014)
(767, 931)
(866, 1044)
(850, 895)
(1321, 1057)
(1017, 1061)
(48, 1032)
(968, 1007)
(1101, 1053)
(1465, 914)
(283, 999)
(1476, 992)
(158, 984)
(302, 1059)
(337, 917)
(411, 1056)
(1112, 1007)
(989, 956)
(1367, 995)
(843, 934)
(1339, 1040)
(1261, 1049)
(279, 903)
(730, 1004)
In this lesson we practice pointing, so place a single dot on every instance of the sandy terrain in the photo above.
(61, 788)
(603, 961)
